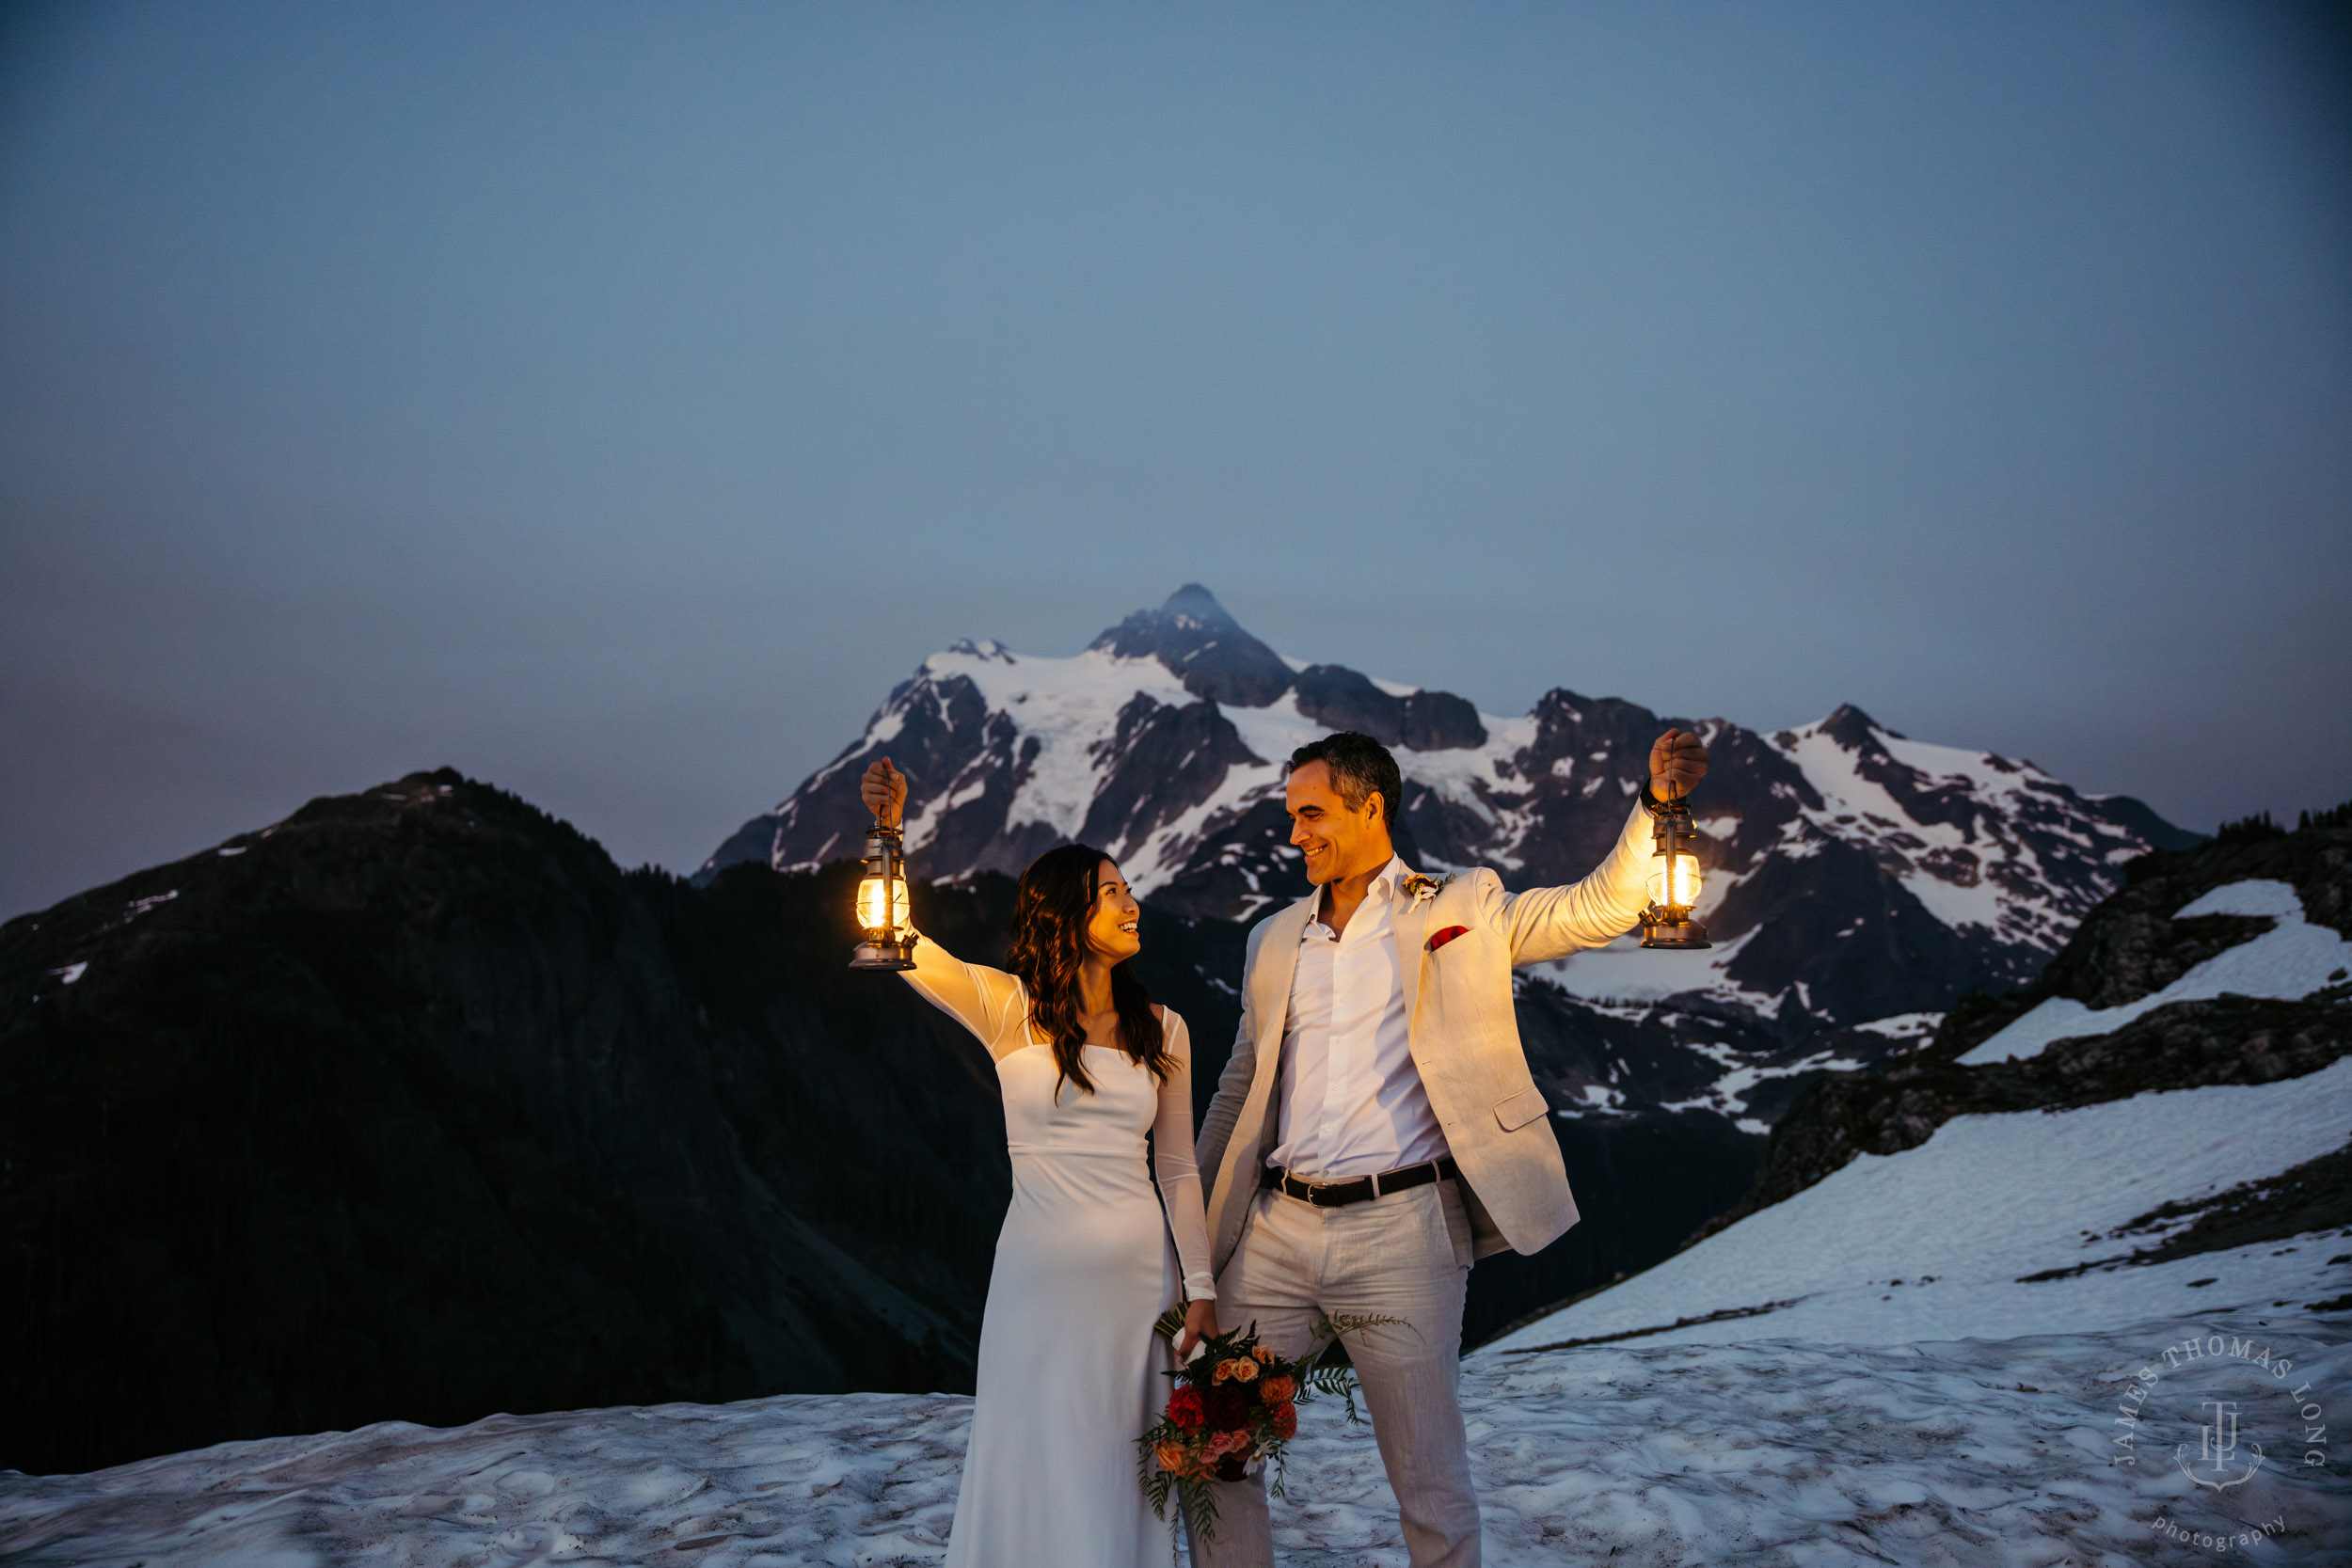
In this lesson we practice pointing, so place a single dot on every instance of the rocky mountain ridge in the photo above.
(1859, 883)
(2141, 944)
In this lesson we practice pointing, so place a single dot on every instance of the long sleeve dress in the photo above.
(1069, 1370)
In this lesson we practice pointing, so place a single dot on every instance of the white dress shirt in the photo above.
(1352, 1102)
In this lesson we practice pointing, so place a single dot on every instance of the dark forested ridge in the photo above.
(415, 1106)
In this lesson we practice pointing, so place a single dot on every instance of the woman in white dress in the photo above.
(1070, 1370)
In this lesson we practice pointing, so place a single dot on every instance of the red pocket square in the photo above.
(1447, 935)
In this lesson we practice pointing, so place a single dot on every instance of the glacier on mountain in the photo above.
(1853, 874)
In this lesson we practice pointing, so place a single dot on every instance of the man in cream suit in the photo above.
(1378, 1129)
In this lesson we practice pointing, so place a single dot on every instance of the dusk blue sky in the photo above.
(613, 402)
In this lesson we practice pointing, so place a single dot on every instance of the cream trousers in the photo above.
(1405, 1255)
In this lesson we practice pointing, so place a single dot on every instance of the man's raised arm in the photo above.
(1553, 922)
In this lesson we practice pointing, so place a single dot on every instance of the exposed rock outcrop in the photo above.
(2130, 947)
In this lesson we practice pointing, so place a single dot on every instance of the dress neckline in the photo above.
(1029, 1041)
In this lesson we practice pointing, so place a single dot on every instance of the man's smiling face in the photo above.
(1338, 841)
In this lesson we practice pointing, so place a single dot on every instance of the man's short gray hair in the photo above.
(1360, 769)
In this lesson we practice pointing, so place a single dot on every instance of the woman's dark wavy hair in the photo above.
(1049, 942)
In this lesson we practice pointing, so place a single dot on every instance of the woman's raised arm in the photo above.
(986, 1001)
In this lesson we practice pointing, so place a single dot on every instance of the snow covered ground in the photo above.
(1935, 1242)
(1966, 1453)
(1902, 1398)
(2292, 959)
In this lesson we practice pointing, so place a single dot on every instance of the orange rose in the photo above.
(1171, 1457)
(1263, 1354)
(1278, 1391)
(1285, 1421)
(1240, 1369)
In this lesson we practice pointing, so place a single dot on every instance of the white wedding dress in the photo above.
(1070, 1370)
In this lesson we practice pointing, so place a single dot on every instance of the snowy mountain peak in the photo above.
(1853, 729)
(1855, 874)
(1193, 605)
(1199, 643)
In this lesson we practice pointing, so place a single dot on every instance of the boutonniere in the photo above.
(1420, 887)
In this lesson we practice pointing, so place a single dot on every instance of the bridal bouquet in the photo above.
(1234, 1405)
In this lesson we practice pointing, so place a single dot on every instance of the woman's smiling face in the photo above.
(1112, 920)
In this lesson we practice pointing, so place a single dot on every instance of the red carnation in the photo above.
(1226, 1407)
(1185, 1409)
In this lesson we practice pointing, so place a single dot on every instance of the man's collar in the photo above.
(1388, 876)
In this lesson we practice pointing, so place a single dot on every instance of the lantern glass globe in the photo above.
(1675, 881)
(878, 910)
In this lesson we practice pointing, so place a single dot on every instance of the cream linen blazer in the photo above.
(1464, 1037)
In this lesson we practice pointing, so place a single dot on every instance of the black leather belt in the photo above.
(1363, 1189)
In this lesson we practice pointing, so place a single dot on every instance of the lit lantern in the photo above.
(1674, 883)
(884, 925)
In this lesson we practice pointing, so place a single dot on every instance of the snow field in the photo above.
(1959, 1453)
(2292, 959)
(1985, 1201)
(1961, 1419)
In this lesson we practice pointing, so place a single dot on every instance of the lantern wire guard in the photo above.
(1673, 884)
(886, 935)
